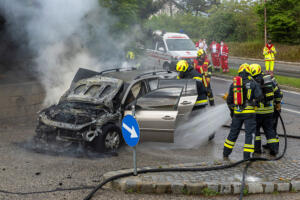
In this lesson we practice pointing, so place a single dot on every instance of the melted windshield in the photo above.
(180, 45)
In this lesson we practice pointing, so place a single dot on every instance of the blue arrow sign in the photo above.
(130, 130)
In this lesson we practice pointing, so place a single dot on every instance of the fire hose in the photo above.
(144, 171)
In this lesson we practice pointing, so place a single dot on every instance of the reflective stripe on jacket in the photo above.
(269, 56)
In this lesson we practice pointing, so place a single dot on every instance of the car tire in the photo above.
(211, 137)
(166, 66)
(110, 139)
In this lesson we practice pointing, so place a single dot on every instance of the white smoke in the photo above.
(196, 131)
(64, 35)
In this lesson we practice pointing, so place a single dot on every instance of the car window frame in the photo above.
(178, 98)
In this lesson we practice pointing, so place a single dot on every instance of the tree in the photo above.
(283, 20)
(197, 6)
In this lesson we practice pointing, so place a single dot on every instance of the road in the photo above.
(286, 69)
(24, 170)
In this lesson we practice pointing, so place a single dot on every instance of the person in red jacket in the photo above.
(215, 53)
(224, 56)
(202, 65)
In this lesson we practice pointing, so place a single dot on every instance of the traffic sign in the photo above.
(130, 130)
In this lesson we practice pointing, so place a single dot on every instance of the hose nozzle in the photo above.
(225, 96)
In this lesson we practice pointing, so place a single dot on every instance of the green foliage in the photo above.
(245, 192)
(283, 20)
(229, 21)
(130, 12)
(209, 192)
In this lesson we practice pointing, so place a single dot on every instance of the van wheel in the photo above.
(166, 67)
(211, 137)
(110, 139)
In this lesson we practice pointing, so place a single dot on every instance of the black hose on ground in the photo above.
(48, 191)
(263, 159)
(143, 171)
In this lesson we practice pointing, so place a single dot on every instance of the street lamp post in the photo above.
(265, 13)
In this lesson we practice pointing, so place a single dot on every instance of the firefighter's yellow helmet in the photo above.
(182, 66)
(200, 52)
(255, 69)
(244, 67)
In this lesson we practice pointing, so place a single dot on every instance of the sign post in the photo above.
(131, 135)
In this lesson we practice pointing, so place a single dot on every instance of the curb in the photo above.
(207, 188)
(262, 60)
(285, 87)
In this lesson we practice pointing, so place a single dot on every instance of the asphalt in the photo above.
(280, 68)
(24, 169)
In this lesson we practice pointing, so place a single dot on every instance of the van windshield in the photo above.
(180, 45)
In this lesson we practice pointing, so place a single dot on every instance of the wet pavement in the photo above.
(24, 170)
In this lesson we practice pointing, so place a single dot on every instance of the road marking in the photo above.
(292, 111)
(130, 130)
(223, 79)
(292, 92)
(229, 80)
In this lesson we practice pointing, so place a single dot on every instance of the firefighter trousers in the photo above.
(224, 62)
(269, 65)
(250, 127)
(210, 96)
(215, 60)
(266, 122)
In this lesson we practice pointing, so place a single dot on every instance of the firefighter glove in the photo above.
(278, 107)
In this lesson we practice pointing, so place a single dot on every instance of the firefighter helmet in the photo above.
(244, 67)
(182, 66)
(255, 69)
(200, 52)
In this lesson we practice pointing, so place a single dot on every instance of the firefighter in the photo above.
(242, 97)
(131, 59)
(277, 105)
(202, 65)
(269, 53)
(265, 110)
(188, 72)
(224, 56)
(215, 54)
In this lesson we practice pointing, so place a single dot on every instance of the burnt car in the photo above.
(91, 110)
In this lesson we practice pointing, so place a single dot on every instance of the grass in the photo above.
(209, 192)
(254, 49)
(282, 80)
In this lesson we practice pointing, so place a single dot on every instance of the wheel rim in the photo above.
(112, 140)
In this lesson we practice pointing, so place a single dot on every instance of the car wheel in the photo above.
(211, 137)
(109, 140)
(166, 67)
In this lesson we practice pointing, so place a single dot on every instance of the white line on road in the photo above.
(292, 92)
(292, 111)
(229, 80)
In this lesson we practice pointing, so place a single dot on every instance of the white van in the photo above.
(167, 48)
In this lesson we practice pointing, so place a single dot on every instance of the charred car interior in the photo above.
(91, 110)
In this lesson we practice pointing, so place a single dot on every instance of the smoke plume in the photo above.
(63, 36)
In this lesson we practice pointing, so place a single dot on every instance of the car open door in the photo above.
(157, 112)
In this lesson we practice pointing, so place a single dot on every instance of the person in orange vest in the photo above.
(269, 53)
(215, 54)
(224, 56)
(202, 65)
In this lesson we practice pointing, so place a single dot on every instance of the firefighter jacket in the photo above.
(269, 52)
(251, 94)
(271, 95)
(214, 48)
(190, 73)
(203, 67)
(224, 51)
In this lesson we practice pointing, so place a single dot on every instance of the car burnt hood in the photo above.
(83, 73)
(108, 89)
